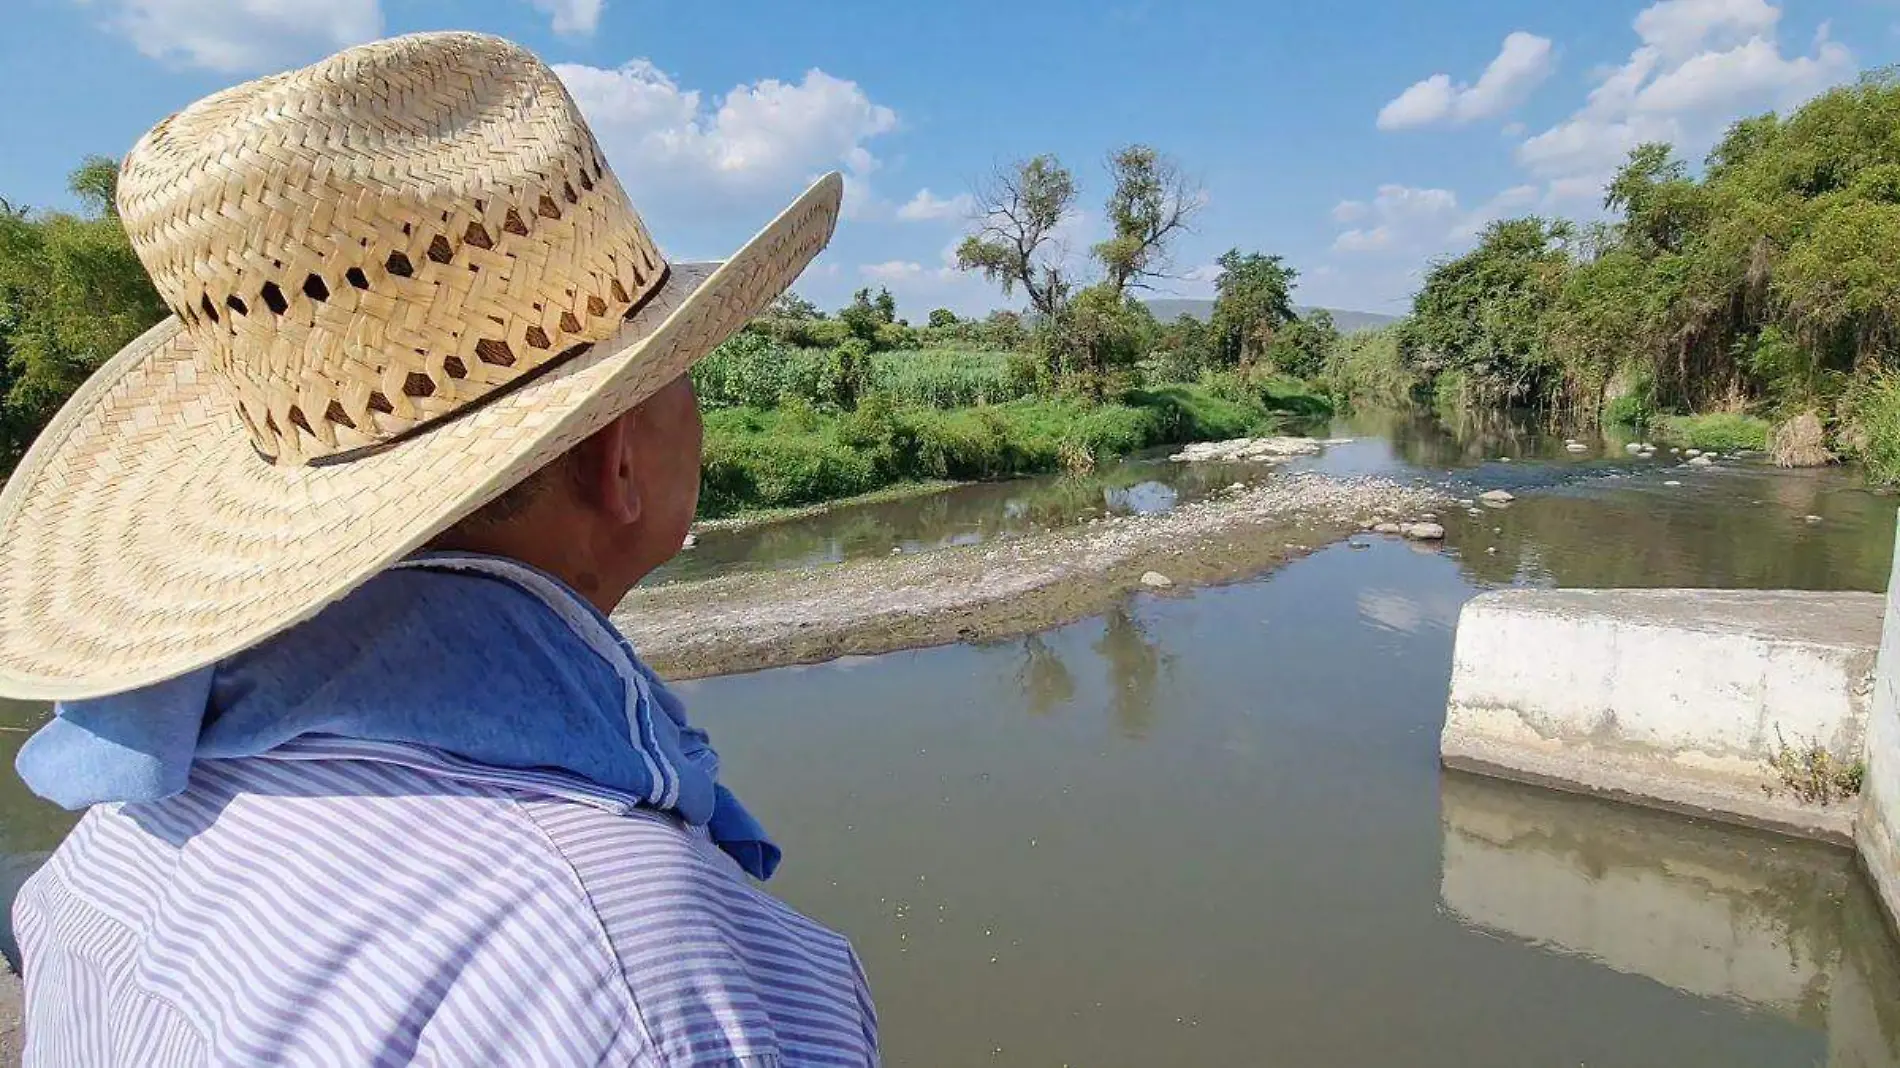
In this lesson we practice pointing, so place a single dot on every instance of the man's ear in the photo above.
(607, 474)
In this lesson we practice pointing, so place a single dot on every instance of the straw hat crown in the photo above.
(403, 280)
(374, 242)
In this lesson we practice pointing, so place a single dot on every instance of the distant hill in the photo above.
(1348, 322)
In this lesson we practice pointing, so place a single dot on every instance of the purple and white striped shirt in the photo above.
(343, 902)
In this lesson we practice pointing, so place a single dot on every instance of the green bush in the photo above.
(1716, 432)
(1629, 410)
(798, 454)
(1873, 414)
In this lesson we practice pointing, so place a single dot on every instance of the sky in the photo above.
(1359, 139)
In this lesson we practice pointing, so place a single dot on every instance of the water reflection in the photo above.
(961, 515)
(1045, 680)
(1132, 662)
(1778, 926)
(1736, 528)
(1135, 662)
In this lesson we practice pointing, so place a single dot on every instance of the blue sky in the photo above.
(1357, 138)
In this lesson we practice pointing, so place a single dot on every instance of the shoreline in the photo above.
(999, 589)
(900, 491)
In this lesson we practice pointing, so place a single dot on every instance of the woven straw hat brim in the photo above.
(142, 537)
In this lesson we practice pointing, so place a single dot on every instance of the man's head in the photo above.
(608, 511)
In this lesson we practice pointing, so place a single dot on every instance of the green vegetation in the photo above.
(71, 294)
(1767, 285)
(1815, 775)
(795, 454)
(1715, 432)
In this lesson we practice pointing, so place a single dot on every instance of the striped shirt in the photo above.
(344, 902)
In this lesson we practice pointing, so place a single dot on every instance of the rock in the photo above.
(691, 540)
(1674, 452)
(1504, 459)
(1474, 511)
(1573, 446)
(1492, 551)
(1155, 580)
(1812, 518)
(1424, 531)
(1467, 502)
(1701, 461)
(1672, 482)
(1237, 487)
(1692, 453)
(1388, 528)
(1633, 447)
(1247, 450)
(1497, 496)
(1428, 517)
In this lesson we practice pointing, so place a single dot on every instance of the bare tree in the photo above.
(1153, 201)
(1018, 210)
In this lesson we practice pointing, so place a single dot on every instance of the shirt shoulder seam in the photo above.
(596, 925)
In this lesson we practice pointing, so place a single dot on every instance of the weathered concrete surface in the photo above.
(1671, 698)
(12, 1018)
(1712, 911)
(1879, 837)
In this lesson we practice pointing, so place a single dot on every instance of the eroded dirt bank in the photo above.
(1004, 588)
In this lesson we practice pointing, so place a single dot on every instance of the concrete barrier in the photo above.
(1716, 912)
(1879, 837)
(1675, 699)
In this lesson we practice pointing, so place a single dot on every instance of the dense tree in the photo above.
(1253, 299)
(790, 305)
(867, 315)
(1018, 211)
(1768, 281)
(72, 293)
(1480, 317)
(941, 318)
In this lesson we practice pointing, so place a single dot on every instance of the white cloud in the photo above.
(754, 146)
(898, 270)
(241, 36)
(927, 206)
(1404, 218)
(1379, 237)
(1350, 211)
(1679, 28)
(1522, 64)
(572, 16)
(1755, 70)
(1701, 64)
(253, 36)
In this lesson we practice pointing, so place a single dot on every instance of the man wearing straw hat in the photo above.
(318, 570)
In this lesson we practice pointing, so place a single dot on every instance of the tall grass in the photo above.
(950, 378)
(1715, 432)
(1873, 412)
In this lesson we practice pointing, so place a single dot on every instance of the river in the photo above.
(1212, 828)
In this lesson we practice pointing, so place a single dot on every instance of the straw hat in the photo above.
(401, 280)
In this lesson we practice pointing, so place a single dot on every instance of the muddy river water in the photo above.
(1211, 828)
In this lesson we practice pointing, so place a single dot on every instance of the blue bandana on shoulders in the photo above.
(478, 656)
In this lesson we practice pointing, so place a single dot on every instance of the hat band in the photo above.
(565, 355)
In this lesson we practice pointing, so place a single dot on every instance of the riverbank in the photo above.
(1010, 587)
(798, 454)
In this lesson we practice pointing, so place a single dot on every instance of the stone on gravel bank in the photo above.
(1497, 496)
(999, 588)
(1250, 450)
(1424, 531)
(1155, 580)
